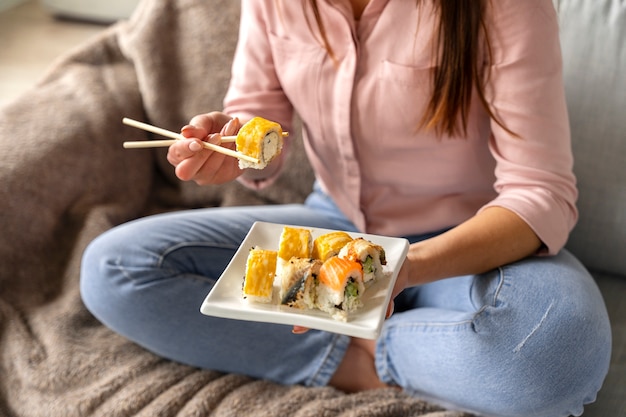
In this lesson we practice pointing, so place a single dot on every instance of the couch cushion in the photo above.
(593, 37)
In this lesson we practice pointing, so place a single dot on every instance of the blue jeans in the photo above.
(527, 339)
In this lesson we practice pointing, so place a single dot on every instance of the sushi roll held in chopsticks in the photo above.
(340, 286)
(369, 255)
(259, 278)
(260, 139)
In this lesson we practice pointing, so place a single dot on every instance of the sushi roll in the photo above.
(340, 287)
(259, 278)
(260, 139)
(298, 281)
(294, 243)
(328, 245)
(369, 255)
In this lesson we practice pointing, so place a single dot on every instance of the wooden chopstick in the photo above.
(178, 136)
(149, 144)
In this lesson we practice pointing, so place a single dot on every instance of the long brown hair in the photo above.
(457, 72)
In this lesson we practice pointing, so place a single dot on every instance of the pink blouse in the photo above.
(361, 113)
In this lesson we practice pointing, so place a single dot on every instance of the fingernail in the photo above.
(230, 128)
(389, 311)
(187, 129)
(214, 138)
(194, 146)
(226, 127)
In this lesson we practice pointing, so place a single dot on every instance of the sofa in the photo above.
(593, 38)
(65, 178)
(100, 11)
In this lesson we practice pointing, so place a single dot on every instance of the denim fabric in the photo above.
(528, 339)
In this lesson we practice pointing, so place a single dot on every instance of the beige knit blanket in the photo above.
(65, 178)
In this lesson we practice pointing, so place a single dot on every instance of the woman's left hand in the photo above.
(402, 282)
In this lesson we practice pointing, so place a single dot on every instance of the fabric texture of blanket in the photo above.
(65, 178)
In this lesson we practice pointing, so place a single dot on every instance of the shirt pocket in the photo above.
(402, 96)
(298, 67)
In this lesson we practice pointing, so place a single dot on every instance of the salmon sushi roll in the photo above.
(340, 287)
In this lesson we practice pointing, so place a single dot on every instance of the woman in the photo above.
(443, 122)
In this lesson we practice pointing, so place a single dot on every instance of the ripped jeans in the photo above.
(527, 339)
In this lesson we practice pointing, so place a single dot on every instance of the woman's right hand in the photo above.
(193, 162)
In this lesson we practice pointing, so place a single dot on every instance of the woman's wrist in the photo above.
(490, 239)
(421, 264)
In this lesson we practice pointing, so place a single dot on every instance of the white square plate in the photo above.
(225, 298)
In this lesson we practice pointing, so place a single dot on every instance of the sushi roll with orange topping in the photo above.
(340, 287)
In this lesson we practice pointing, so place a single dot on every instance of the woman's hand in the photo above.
(496, 236)
(402, 282)
(193, 162)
